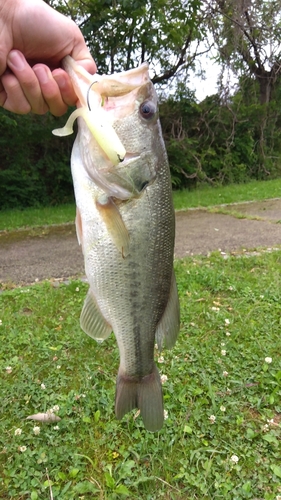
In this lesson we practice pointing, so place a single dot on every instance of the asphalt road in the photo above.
(53, 252)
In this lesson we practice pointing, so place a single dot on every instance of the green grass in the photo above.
(227, 304)
(208, 196)
(33, 217)
(202, 197)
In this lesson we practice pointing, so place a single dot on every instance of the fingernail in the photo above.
(42, 74)
(16, 60)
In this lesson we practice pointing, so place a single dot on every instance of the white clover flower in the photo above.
(222, 344)
(268, 360)
(278, 497)
(272, 423)
(22, 449)
(227, 322)
(58, 367)
(9, 369)
(225, 373)
(215, 308)
(0, 322)
(36, 430)
(164, 379)
(265, 428)
(56, 408)
(222, 408)
(18, 432)
(50, 411)
(227, 334)
(56, 428)
(77, 289)
(212, 419)
(43, 386)
(165, 414)
(234, 459)
(160, 359)
(223, 352)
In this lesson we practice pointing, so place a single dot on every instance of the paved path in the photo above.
(27, 256)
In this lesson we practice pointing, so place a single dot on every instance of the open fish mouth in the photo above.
(97, 92)
(102, 102)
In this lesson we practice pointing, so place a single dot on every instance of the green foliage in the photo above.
(34, 164)
(221, 141)
(224, 139)
(222, 393)
(247, 37)
(121, 34)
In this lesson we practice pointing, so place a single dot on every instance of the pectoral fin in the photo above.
(78, 224)
(92, 320)
(114, 223)
(169, 325)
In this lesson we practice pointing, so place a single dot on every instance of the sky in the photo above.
(209, 85)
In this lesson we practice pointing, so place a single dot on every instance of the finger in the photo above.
(27, 81)
(50, 90)
(81, 53)
(12, 97)
(65, 86)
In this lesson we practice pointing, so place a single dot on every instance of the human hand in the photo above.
(34, 39)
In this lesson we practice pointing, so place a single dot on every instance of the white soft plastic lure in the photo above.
(93, 92)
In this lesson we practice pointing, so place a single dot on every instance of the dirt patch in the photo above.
(53, 252)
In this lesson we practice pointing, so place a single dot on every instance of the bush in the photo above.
(34, 164)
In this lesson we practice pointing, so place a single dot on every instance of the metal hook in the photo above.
(88, 93)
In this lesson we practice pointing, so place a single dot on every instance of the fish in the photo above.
(125, 224)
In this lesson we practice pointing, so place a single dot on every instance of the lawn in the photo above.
(221, 438)
(203, 196)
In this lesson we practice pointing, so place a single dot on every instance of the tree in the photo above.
(247, 35)
(122, 34)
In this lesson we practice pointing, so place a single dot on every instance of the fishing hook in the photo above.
(88, 93)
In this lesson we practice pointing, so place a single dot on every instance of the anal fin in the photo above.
(169, 325)
(92, 320)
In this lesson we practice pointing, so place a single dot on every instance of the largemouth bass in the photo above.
(125, 223)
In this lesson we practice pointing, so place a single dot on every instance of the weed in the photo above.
(221, 383)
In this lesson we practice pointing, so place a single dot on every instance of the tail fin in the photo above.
(145, 394)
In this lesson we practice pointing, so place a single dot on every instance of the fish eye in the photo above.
(147, 109)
